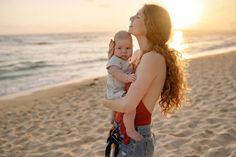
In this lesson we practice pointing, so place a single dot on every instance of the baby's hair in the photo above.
(122, 35)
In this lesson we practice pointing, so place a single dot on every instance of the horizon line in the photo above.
(78, 32)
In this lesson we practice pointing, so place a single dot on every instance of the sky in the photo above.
(58, 16)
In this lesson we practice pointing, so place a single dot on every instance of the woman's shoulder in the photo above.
(138, 53)
(153, 56)
(152, 63)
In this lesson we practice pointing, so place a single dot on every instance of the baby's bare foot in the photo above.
(135, 135)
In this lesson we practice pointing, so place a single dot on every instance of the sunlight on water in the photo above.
(178, 43)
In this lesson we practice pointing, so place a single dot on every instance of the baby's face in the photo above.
(123, 48)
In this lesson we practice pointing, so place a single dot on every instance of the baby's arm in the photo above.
(119, 75)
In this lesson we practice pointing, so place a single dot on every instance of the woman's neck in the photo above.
(144, 44)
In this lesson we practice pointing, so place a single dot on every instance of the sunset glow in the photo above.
(177, 42)
(33, 16)
(184, 13)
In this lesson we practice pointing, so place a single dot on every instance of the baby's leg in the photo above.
(129, 125)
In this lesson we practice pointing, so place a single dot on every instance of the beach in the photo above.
(70, 121)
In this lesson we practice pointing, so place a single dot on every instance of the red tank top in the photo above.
(143, 117)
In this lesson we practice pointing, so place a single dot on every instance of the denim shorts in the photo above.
(144, 148)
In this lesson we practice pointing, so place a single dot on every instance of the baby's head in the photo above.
(123, 45)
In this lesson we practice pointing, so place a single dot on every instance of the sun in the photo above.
(184, 13)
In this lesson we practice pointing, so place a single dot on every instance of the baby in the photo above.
(119, 73)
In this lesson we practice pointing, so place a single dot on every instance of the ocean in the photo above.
(39, 60)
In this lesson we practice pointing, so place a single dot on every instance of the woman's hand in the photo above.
(111, 48)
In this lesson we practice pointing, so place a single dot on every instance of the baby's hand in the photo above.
(111, 48)
(131, 77)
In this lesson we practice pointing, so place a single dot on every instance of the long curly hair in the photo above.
(158, 26)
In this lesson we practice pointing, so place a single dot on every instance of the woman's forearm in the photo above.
(115, 105)
(118, 105)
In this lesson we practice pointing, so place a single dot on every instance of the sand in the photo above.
(70, 121)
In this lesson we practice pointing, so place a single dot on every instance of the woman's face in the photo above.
(137, 26)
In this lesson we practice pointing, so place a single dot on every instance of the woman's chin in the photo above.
(130, 31)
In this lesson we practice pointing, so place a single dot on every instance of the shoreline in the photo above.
(46, 92)
(48, 87)
(77, 81)
(70, 120)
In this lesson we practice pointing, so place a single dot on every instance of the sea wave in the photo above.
(29, 61)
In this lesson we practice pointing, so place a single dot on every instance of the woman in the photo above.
(159, 74)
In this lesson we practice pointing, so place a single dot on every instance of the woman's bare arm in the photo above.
(151, 64)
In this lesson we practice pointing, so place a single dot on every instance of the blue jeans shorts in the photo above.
(144, 148)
